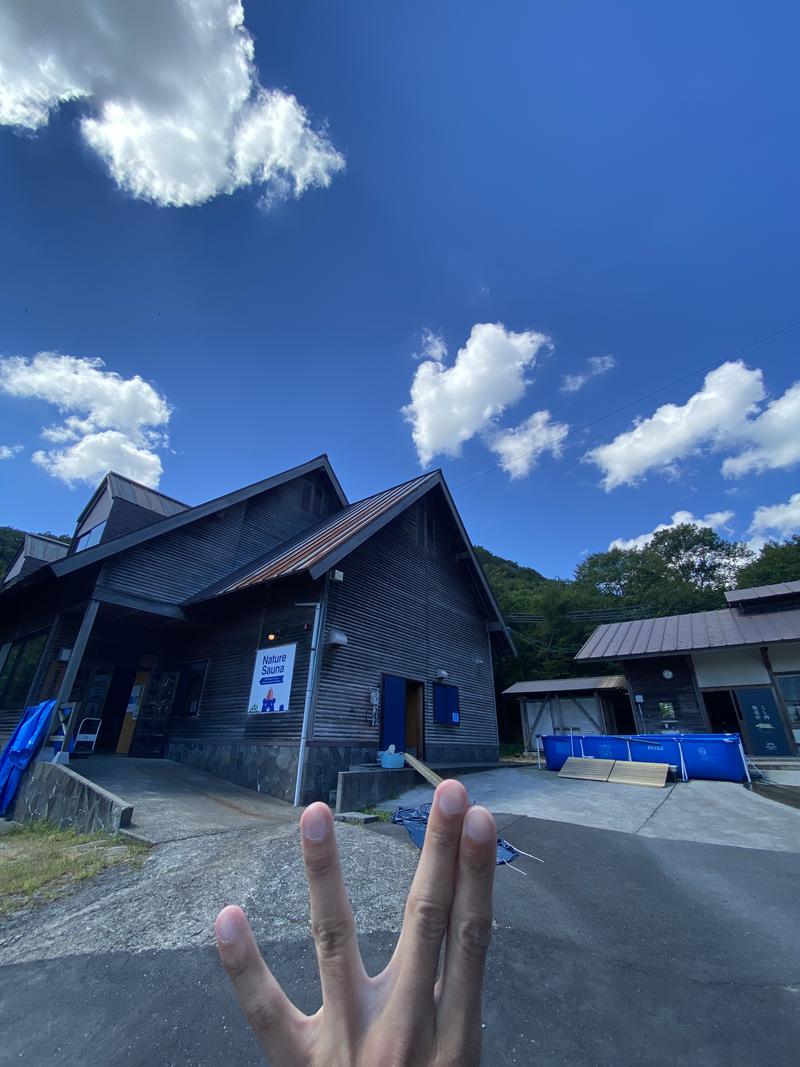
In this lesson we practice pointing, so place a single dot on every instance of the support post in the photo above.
(70, 674)
(310, 687)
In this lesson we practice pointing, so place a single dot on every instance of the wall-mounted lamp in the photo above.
(441, 675)
(337, 638)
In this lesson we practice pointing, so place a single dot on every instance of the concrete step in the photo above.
(778, 763)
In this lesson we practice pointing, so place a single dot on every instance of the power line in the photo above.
(632, 403)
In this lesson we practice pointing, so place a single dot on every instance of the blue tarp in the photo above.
(21, 749)
(415, 821)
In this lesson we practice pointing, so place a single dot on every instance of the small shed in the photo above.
(597, 705)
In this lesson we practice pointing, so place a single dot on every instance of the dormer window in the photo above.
(91, 537)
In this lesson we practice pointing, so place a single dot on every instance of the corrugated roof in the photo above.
(763, 592)
(313, 547)
(566, 685)
(726, 628)
(45, 548)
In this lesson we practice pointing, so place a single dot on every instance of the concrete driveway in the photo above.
(721, 813)
(172, 802)
(617, 949)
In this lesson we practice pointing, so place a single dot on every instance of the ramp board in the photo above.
(653, 774)
(592, 770)
(420, 768)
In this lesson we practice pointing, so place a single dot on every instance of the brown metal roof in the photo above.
(566, 685)
(726, 628)
(763, 592)
(323, 540)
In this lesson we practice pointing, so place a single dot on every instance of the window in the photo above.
(312, 498)
(18, 669)
(445, 705)
(790, 688)
(190, 689)
(91, 537)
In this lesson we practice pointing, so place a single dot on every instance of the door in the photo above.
(393, 713)
(763, 722)
(152, 726)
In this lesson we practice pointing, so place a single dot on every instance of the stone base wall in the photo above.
(270, 769)
(461, 754)
(52, 793)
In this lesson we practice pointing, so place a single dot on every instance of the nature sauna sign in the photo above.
(272, 680)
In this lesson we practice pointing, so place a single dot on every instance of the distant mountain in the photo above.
(11, 539)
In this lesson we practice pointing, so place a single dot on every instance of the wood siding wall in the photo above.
(646, 679)
(408, 608)
(229, 643)
(179, 564)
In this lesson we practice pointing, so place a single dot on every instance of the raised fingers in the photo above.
(428, 907)
(332, 925)
(277, 1023)
(468, 933)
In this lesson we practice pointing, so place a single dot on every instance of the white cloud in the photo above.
(773, 438)
(169, 94)
(519, 448)
(716, 520)
(776, 520)
(450, 405)
(597, 365)
(9, 451)
(109, 422)
(715, 417)
(432, 346)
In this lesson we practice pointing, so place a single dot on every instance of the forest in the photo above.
(684, 568)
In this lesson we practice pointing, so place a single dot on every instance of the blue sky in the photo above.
(604, 180)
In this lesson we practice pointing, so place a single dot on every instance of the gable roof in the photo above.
(320, 548)
(725, 628)
(97, 553)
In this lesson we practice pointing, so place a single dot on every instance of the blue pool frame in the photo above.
(714, 757)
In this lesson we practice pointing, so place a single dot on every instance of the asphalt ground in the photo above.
(617, 949)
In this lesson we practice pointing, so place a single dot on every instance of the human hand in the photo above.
(404, 1015)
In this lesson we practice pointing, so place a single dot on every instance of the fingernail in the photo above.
(479, 825)
(227, 925)
(315, 823)
(452, 798)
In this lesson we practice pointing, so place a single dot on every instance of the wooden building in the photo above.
(733, 670)
(273, 636)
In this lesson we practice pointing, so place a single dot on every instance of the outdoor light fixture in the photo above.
(441, 675)
(271, 636)
(337, 638)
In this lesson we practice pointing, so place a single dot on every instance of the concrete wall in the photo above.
(55, 794)
(729, 668)
(362, 789)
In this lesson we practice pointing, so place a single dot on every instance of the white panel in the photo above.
(730, 667)
(785, 657)
(582, 714)
(18, 564)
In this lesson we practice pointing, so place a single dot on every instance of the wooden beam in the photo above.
(139, 603)
(420, 768)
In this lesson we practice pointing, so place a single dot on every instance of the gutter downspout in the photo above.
(310, 688)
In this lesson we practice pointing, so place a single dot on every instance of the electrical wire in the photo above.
(632, 403)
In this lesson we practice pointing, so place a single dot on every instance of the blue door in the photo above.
(764, 723)
(393, 713)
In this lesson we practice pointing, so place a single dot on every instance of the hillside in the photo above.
(517, 588)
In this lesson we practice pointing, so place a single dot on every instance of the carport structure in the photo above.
(595, 705)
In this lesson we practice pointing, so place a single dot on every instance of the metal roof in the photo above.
(88, 556)
(566, 685)
(312, 551)
(726, 628)
(320, 548)
(763, 592)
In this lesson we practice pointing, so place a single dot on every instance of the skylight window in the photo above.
(91, 537)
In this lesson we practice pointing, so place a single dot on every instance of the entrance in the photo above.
(722, 712)
(403, 715)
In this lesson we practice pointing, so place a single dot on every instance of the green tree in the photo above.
(699, 556)
(777, 562)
